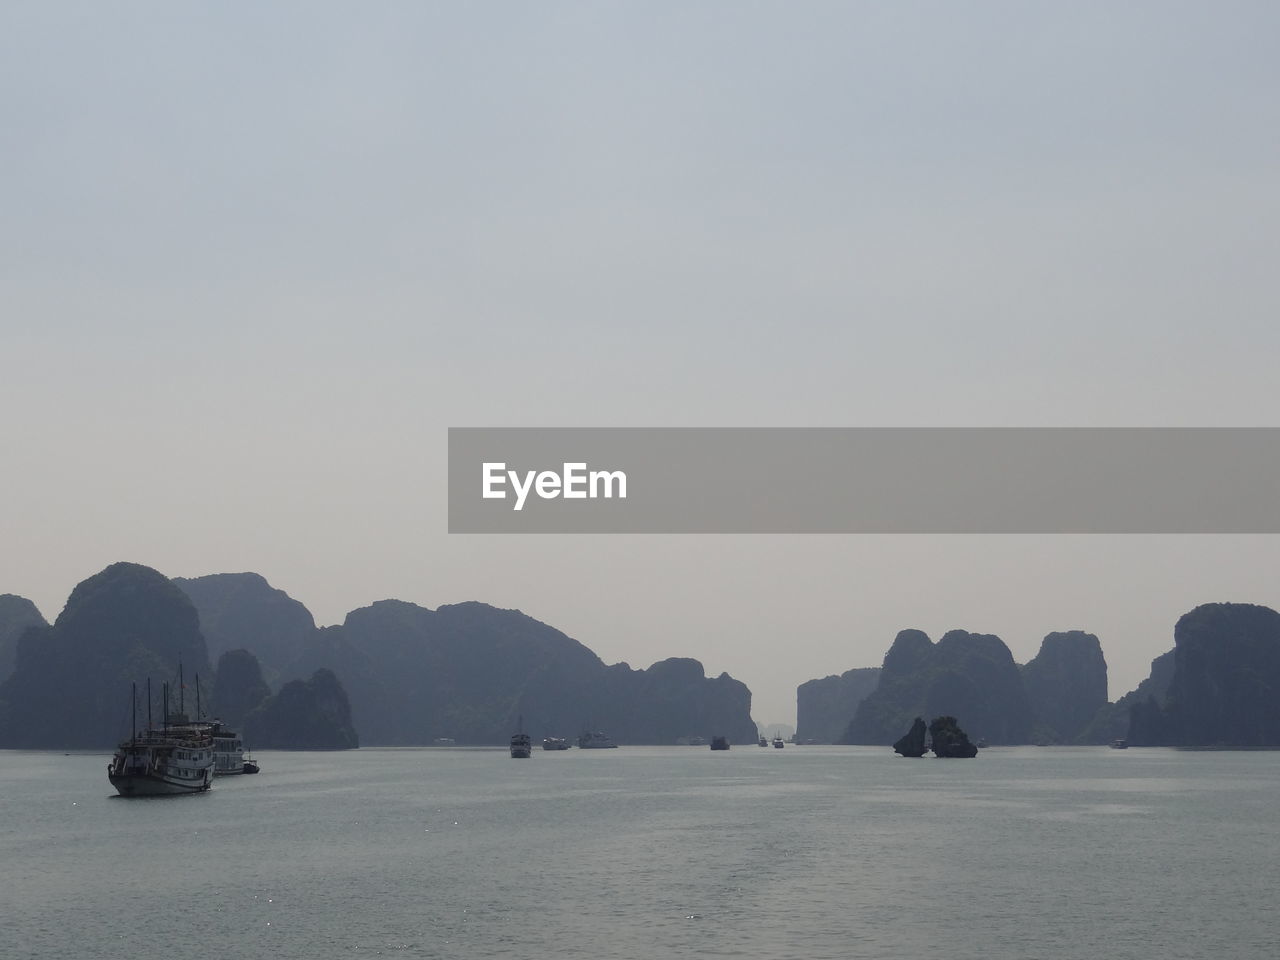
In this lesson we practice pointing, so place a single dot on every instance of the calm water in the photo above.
(808, 852)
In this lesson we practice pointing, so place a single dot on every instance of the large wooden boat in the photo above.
(175, 758)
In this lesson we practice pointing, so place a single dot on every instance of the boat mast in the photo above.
(149, 704)
(182, 690)
(198, 696)
(133, 712)
(166, 706)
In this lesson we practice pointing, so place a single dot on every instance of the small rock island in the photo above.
(949, 740)
(945, 738)
(912, 743)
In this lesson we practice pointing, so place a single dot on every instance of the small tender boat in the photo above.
(777, 742)
(1120, 744)
(719, 743)
(555, 743)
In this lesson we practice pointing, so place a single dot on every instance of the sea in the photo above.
(808, 852)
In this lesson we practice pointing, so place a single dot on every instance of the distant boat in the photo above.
(228, 752)
(778, 743)
(763, 742)
(594, 740)
(691, 741)
(719, 743)
(1120, 744)
(555, 743)
(444, 742)
(229, 755)
(521, 745)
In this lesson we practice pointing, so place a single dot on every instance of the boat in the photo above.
(778, 744)
(158, 763)
(444, 742)
(691, 741)
(719, 743)
(763, 742)
(1120, 744)
(594, 740)
(228, 752)
(555, 743)
(175, 759)
(228, 749)
(521, 745)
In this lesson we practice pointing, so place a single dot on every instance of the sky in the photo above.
(257, 259)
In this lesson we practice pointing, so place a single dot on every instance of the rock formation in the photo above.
(70, 686)
(1113, 720)
(468, 671)
(1066, 683)
(17, 614)
(238, 688)
(1225, 689)
(674, 697)
(305, 715)
(412, 675)
(243, 611)
(825, 707)
(912, 743)
(965, 674)
(949, 740)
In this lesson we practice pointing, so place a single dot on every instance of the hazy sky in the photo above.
(258, 258)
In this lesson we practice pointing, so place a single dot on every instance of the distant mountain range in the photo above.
(130, 628)
(1219, 686)
(470, 672)
(393, 673)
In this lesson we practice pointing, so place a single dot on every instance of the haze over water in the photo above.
(807, 852)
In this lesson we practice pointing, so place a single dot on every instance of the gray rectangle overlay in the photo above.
(869, 480)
